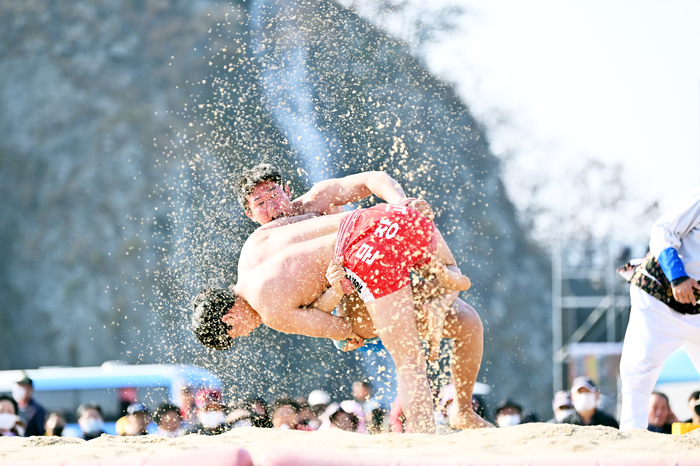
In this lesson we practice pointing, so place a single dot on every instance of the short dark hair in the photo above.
(251, 177)
(89, 405)
(11, 400)
(210, 306)
(694, 396)
(352, 416)
(286, 402)
(164, 408)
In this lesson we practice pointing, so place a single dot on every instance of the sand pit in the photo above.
(531, 444)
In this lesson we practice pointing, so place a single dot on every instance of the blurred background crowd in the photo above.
(207, 412)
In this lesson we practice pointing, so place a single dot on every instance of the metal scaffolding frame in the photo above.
(595, 263)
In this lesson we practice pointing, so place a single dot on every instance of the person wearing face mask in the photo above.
(584, 395)
(562, 406)
(211, 413)
(29, 410)
(11, 425)
(508, 413)
(90, 420)
(55, 423)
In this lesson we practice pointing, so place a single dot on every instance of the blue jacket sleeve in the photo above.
(672, 265)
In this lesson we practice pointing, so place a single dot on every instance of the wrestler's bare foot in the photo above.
(451, 281)
(470, 420)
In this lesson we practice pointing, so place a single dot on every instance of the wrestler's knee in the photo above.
(462, 321)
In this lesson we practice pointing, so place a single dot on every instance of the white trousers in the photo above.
(653, 333)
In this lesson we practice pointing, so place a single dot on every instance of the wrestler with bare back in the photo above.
(267, 201)
(283, 270)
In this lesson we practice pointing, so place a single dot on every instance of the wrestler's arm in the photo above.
(332, 296)
(327, 196)
(328, 301)
(306, 321)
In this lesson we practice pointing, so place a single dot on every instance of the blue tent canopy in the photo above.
(678, 368)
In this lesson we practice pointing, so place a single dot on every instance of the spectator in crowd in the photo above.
(188, 410)
(11, 425)
(239, 415)
(55, 423)
(127, 396)
(371, 409)
(694, 408)
(307, 419)
(353, 407)
(260, 415)
(90, 420)
(660, 415)
(562, 406)
(169, 421)
(318, 401)
(137, 419)
(375, 423)
(361, 391)
(29, 410)
(508, 413)
(444, 408)
(211, 413)
(344, 421)
(284, 414)
(584, 395)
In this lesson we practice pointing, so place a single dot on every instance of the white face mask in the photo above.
(508, 420)
(248, 423)
(167, 433)
(7, 421)
(584, 401)
(19, 393)
(92, 426)
(211, 419)
(563, 414)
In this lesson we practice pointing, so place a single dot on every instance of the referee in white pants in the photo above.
(665, 314)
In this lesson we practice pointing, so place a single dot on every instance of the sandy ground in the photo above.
(536, 443)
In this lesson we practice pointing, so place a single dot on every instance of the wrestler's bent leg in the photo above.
(394, 318)
(463, 324)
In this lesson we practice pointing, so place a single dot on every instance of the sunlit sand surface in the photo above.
(525, 444)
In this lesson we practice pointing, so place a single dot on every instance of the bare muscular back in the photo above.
(285, 266)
